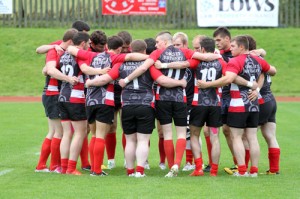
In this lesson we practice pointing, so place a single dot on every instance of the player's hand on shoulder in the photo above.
(87, 83)
(105, 70)
(254, 85)
(253, 94)
(157, 64)
(122, 83)
(73, 80)
(202, 84)
(59, 49)
(184, 82)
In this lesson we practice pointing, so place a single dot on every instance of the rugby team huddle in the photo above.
(221, 82)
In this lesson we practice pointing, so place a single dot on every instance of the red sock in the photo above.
(242, 169)
(180, 147)
(123, 141)
(198, 163)
(234, 160)
(208, 146)
(55, 153)
(91, 150)
(253, 169)
(45, 152)
(161, 149)
(130, 171)
(71, 166)
(64, 165)
(84, 154)
(111, 142)
(247, 157)
(274, 156)
(214, 169)
(140, 169)
(169, 150)
(98, 154)
(189, 156)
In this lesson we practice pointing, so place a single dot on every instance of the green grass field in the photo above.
(21, 66)
(23, 126)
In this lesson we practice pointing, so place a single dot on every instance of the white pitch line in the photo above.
(5, 171)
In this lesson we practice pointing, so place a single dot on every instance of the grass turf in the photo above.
(21, 67)
(24, 126)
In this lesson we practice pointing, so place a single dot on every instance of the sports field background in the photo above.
(21, 66)
(23, 127)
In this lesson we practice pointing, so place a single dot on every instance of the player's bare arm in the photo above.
(259, 52)
(44, 71)
(225, 80)
(170, 83)
(174, 65)
(98, 81)
(136, 57)
(73, 50)
(88, 70)
(243, 82)
(253, 94)
(206, 56)
(272, 71)
(137, 72)
(45, 48)
(55, 73)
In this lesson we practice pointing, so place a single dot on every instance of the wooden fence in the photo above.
(61, 13)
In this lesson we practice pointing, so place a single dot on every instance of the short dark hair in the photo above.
(126, 36)
(114, 42)
(252, 42)
(81, 26)
(222, 31)
(241, 40)
(150, 45)
(69, 34)
(99, 37)
(208, 44)
(138, 46)
(80, 37)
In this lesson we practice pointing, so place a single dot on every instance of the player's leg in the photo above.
(55, 162)
(180, 121)
(99, 147)
(267, 120)
(65, 145)
(84, 153)
(92, 144)
(130, 152)
(247, 150)
(215, 150)
(251, 134)
(196, 148)
(188, 150)
(111, 142)
(45, 150)
(80, 129)
(239, 149)
(142, 151)
(206, 132)
(269, 133)
(161, 149)
(168, 143)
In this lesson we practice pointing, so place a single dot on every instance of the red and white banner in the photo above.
(211, 13)
(134, 7)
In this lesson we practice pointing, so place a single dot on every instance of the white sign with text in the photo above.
(212, 13)
(6, 7)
